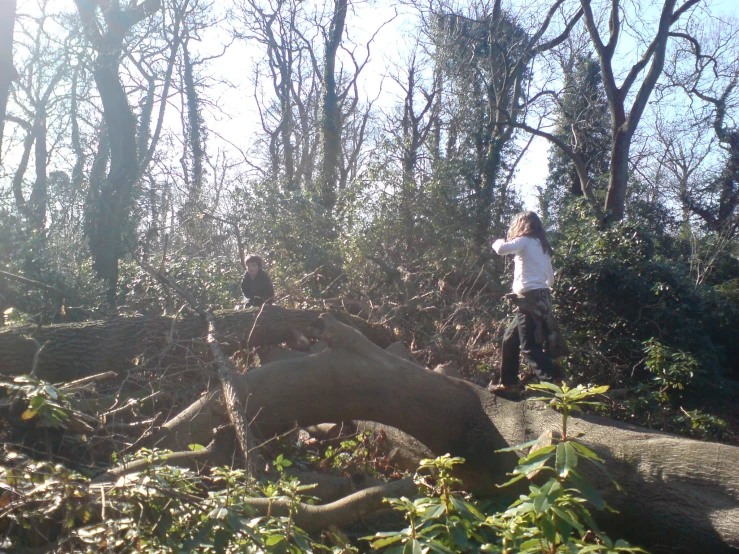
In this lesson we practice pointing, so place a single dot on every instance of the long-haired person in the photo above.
(533, 324)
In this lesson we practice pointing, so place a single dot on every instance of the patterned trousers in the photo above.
(527, 334)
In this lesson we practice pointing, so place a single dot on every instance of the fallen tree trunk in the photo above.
(76, 350)
(680, 495)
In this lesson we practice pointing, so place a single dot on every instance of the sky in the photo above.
(393, 39)
(235, 122)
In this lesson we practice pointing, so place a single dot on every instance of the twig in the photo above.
(86, 380)
(33, 283)
(36, 355)
(130, 404)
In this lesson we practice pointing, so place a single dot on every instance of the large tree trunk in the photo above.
(75, 350)
(116, 192)
(680, 495)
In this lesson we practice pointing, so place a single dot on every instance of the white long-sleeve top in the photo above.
(532, 268)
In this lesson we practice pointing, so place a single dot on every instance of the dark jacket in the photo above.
(258, 290)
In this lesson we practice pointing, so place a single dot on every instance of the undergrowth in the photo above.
(46, 507)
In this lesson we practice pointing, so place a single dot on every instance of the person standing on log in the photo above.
(533, 331)
(256, 284)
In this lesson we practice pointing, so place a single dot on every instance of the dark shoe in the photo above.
(509, 392)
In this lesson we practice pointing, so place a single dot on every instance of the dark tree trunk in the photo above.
(330, 120)
(619, 177)
(109, 216)
(38, 199)
(117, 191)
(195, 126)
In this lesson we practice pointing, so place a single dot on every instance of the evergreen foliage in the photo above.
(583, 124)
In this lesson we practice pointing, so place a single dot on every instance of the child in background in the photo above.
(533, 278)
(256, 284)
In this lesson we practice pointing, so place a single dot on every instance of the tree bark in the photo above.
(116, 193)
(7, 71)
(330, 125)
(76, 350)
(680, 495)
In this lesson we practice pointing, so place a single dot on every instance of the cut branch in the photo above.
(226, 372)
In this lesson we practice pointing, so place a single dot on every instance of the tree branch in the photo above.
(226, 370)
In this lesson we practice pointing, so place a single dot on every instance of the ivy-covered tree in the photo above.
(484, 54)
(583, 123)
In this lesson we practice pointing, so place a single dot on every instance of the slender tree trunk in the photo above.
(330, 120)
(286, 125)
(117, 193)
(20, 171)
(38, 199)
(619, 176)
(7, 71)
(195, 127)
(484, 207)
(80, 158)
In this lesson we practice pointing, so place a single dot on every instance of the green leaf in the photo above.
(566, 459)
(195, 447)
(568, 518)
(412, 547)
(221, 540)
(220, 512)
(521, 446)
(544, 386)
(585, 451)
(29, 414)
(584, 488)
(459, 534)
(539, 453)
(274, 539)
(381, 543)
(548, 529)
(514, 480)
(546, 496)
(36, 402)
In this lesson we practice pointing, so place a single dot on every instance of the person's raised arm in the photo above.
(502, 247)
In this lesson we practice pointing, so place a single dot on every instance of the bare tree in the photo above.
(712, 76)
(276, 26)
(37, 82)
(624, 122)
(412, 125)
